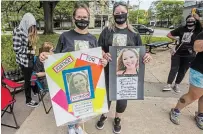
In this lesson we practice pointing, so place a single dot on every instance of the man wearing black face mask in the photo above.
(183, 54)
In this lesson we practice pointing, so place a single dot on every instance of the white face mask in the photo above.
(193, 27)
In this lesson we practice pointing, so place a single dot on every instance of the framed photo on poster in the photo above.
(78, 84)
(126, 80)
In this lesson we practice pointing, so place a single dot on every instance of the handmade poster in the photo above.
(76, 85)
(126, 80)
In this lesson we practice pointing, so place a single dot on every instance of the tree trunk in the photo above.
(161, 22)
(61, 22)
(168, 21)
(39, 24)
(48, 7)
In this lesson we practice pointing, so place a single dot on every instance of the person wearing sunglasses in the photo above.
(183, 54)
(118, 33)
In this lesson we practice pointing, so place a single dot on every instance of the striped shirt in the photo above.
(20, 46)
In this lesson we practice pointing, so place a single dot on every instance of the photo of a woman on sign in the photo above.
(78, 86)
(128, 61)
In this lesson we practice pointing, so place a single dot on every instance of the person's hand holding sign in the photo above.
(107, 56)
(44, 55)
(147, 58)
(104, 62)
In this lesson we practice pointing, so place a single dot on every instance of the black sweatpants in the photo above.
(179, 66)
(120, 104)
(27, 73)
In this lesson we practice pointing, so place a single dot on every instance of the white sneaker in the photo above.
(167, 88)
(71, 129)
(79, 130)
(176, 88)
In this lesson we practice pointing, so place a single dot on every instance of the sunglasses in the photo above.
(121, 3)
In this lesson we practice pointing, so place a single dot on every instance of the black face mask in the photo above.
(190, 23)
(82, 24)
(121, 18)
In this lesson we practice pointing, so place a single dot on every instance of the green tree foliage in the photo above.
(169, 10)
(12, 11)
(64, 10)
(143, 19)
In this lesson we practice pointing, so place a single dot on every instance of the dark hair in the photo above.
(121, 3)
(81, 5)
(198, 25)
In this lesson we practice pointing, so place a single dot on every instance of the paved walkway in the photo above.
(141, 117)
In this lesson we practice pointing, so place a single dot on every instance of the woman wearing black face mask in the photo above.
(118, 33)
(74, 40)
(183, 54)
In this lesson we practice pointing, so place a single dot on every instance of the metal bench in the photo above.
(158, 44)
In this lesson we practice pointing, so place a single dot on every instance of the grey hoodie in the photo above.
(27, 21)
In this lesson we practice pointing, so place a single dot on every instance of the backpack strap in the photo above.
(35, 58)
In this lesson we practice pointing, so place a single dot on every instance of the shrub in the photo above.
(8, 55)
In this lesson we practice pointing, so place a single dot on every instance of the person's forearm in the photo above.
(41, 74)
(172, 37)
(198, 46)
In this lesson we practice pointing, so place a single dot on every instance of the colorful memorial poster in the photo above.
(76, 85)
(126, 80)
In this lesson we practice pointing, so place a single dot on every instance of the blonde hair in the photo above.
(81, 5)
(32, 36)
(112, 23)
(46, 47)
(120, 65)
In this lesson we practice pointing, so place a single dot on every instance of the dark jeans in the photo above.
(179, 66)
(120, 104)
(27, 72)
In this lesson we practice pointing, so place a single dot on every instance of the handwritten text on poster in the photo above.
(127, 87)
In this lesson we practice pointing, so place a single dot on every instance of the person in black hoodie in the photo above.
(24, 45)
(183, 54)
(118, 33)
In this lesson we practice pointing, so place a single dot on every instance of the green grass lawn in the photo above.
(8, 55)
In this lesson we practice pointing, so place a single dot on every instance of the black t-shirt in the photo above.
(39, 67)
(197, 64)
(73, 41)
(118, 37)
(186, 37)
